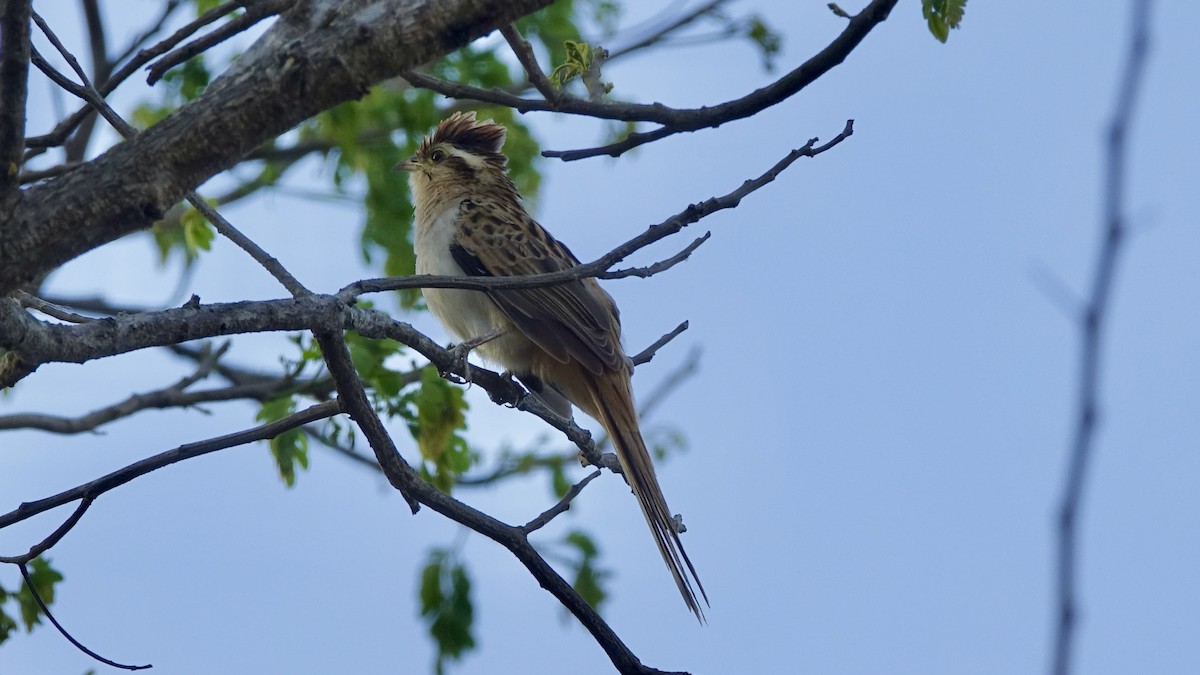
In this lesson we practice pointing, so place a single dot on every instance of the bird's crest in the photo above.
(462, 131)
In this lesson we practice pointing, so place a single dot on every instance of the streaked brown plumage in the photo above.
(563, 341)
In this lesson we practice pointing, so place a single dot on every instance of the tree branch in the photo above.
(561, 507)
(254, 13)
(95, 488)
(1091, 332)
(524, 52)
(173, 396)
(674, 120)
(354, 396)
(76, 148)
(14, 87)
(78, 645)
(55, 536)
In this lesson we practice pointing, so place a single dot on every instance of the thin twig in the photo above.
(136, 43)
(648, 353)
(55, 536)
(658, 267)
(674, 120)
(254, 13)
(95, 488)
(76, 146)
(689, 367)
(70, 638)
(524, 53)
(268, 261)
(50, 309)
(32, 176)
(173, 396)
(1091, 332)
(561, 507)
(658, 34)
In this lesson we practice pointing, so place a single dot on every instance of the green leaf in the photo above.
(583, 542)
(768, 41)
(290, 448)
(577, 58)
(43, 577)
(203, 6)
(589, 578)
(838, 11)
(369, 357)
(446, 607)
(7, 624)
(559, 482)
(943, 15)
(197, 233)
(436, 413)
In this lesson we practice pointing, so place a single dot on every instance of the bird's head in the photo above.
(460, 149)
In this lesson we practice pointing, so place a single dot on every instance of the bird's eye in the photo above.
(437, 155)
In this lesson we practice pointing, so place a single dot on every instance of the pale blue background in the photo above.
(878, 433)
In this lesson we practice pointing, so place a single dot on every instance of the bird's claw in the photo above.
(460, 369)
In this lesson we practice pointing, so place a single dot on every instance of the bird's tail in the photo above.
(613, 402)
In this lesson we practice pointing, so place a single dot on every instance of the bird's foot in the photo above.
(459, 366)
(677, 523)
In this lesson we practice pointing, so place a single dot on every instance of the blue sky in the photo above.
(877, 435)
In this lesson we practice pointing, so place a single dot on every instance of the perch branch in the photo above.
(1091, 332)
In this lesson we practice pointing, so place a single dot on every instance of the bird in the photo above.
(563, 342)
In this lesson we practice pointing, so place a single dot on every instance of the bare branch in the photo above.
(661, 266)
(658, 34)
(1091, 332)
(674, 120)
(525, 55)
(173, 396)
(76, 147)
(78, 645)
(688, 368)
(268, 261)
(95, 488)
(561, 507)
(14, 87)
(648, 353)
(354, 397)
(254, 13)
(49, 308)
(169, 7)
(28, 176)
(55, 536)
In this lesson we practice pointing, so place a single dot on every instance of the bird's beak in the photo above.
(409, 164)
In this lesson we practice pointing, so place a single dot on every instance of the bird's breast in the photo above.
(465, 313)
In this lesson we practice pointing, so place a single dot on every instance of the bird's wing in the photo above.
(575, 321)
